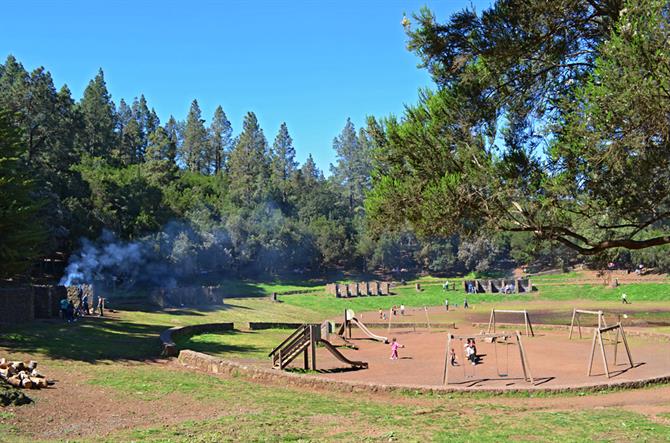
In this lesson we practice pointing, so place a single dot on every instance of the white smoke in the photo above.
(108, 256)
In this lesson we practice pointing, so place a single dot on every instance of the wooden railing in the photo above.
(291, 347)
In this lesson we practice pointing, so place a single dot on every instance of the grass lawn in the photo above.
(236, 344)
(262, 413)
(434, 295)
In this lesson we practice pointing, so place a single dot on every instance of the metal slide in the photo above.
(333, 350)
(367, 332)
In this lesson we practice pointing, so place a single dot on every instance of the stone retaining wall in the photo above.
(257, 326)
(17, 305)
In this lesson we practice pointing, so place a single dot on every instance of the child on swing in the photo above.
(471, 351)
(394, 349)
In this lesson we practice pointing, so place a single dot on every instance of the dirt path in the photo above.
(74, 408)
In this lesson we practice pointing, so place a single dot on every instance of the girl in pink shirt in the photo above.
(394, 349)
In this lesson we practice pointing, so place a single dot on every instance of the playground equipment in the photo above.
(493, 338)
(526, 319)
(301, 342)
(598, 337)
(349, 320)
(576, 313)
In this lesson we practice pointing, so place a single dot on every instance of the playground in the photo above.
(512, 353)
(555, 361)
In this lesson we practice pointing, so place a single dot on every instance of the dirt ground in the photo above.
(554, 360)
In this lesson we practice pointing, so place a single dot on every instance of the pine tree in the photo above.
(22, 233)
(159, 146)
(174, 139)
(220, 139)
(131, 135)
(283, 165)
(194, 147)
(97, 136)
(354, 161)
(248, 165)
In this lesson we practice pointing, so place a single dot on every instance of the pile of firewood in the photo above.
(22, 374)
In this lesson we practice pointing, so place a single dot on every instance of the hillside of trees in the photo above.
(205, 197)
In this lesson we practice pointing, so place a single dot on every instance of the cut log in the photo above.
(32, 364)
(39, 382)
(26, 383)
(14, 381)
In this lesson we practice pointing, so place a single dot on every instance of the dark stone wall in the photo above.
(17, 305)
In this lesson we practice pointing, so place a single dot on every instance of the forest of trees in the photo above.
(458, 196)
(230, 202)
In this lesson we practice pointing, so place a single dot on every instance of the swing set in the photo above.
(526, 320)
(598, 337)
(576, 313)
(496, 339)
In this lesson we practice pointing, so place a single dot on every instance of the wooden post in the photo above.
(530, 325)
(625, 344)
(492, 321)
(427, 317)
(602, 350)
(593, 350)
(306, 362)
(445, 375)
(579, 327)
(524, 361)
(572, 323)
(616, 345)
(312, 343)
(390, 315)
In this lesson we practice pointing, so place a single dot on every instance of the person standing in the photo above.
(402, 309)
(446, 304)
(63, 308)
(84, 305)
(624, 299)
(465, 303)
(394, 349)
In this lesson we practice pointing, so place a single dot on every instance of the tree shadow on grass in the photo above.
(224, 350)
(88, 340)
(182, 310)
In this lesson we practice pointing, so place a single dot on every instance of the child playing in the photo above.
(394, 349)
(452, 357)
(471, 351)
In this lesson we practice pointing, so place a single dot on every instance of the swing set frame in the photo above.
(598, 337)
(527, 375)
(576, 313)
(526, 319)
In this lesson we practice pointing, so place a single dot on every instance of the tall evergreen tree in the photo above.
(125, 152)
(354, 161)
(283, 165)
(97, 136)
(248, 165)
(22, 233)
(194, 147)
(220, 139)
(174, 138)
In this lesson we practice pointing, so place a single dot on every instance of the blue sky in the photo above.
(311, 64)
